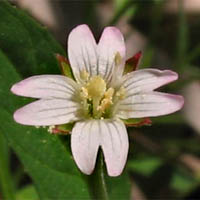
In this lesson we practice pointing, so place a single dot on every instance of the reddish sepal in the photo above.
(64, 66)
(61, 59)
(143, 122)
(57, 130)
(134, 61)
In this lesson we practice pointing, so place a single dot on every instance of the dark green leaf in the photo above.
(44, 156)
(6, 184)
(27, 45)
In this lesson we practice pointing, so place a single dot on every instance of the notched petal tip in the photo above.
(18, 117)
(180, 101)
(171, 75)
(86, 171)
(115, 173)
(115, 35)
(81, 26)
(16, 89)
(113, 31)
(176, 103)
(80, 29)
(19, 88)
(12, 89)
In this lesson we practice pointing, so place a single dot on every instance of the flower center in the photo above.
(97, 99)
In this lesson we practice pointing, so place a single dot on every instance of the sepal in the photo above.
(132, 63)
(65, 66)
(137, 122)
(63, 129)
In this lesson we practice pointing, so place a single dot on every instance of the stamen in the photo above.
(84, 75)
(107, 100)
(118, 59)
(96, 99)
(121, 93)
(84, 93)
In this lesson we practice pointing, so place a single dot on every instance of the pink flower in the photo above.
(99, 99)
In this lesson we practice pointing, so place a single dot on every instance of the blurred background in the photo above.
(164, 158)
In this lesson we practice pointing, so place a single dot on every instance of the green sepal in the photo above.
(63, 129)
(137, 122)
(127, 69)
(65, 66)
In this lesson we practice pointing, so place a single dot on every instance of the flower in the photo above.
(98, 99)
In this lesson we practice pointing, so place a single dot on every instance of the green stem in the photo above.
(96, 181)
(6, 183)
(120, 12)
(182, 40)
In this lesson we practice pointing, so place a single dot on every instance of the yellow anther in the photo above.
(118, 59)
(105, 103)
(96, 100)
(84, 93)
(121, 93)
(109, 93)
(84, 75)
(107, 100)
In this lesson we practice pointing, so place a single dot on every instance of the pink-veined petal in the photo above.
(146, 80)
(114, 143)
(111, 43)
(45, 86)
(149, 104)
(85, 143)
(47, 112)
(82, 51)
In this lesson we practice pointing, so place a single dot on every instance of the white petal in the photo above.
(149, 105)
(45, 86)
(47, 112)
(85, 143)
(147, 80)
(111, 43)
(114, 143)
(82, 51)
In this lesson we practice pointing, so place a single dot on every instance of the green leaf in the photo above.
(6, 184)
(27, 45)
(183, 182)
(27, 193)
(44, 156)
(145, 166)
